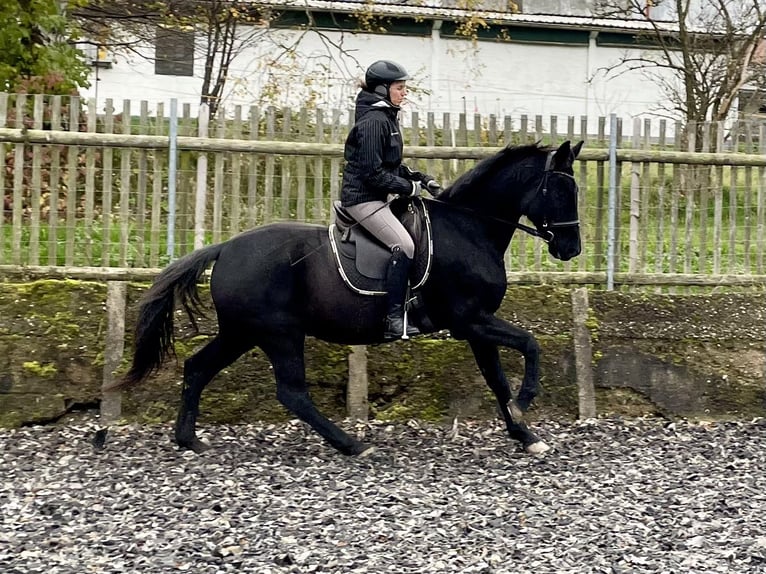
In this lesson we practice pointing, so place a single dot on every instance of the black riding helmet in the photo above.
(381, 74)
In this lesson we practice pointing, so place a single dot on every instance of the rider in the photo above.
(373, 170)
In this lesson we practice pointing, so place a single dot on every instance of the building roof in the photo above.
(434, 9)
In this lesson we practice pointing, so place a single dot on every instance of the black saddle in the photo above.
(362, 260)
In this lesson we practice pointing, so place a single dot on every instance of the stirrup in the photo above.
(395, 332)
(407, 329)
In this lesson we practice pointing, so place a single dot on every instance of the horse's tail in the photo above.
(154, 335)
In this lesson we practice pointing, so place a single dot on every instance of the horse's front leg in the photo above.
(498, 332)
(484, 339)
(488, 359)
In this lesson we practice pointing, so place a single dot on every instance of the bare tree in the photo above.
(226, 29)
(702, 53)
(223, 30)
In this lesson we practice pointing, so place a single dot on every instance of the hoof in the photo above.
(366, 452)
(359, 449)
(538, 447)
(524, 401)
(195, 446)
(99, 438)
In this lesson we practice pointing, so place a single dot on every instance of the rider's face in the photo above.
(397, 92)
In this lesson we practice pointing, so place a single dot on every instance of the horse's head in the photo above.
(553, 206)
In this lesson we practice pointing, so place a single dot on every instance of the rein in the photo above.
(545, 233)
(545, 236)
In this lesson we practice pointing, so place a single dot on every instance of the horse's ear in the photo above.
(576, 149)
(561, 158)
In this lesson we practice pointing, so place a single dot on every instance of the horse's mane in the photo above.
(477, 177)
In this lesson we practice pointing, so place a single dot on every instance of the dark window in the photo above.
(752, 102)
(174, 53)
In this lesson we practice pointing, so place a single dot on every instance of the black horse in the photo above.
(274, 285)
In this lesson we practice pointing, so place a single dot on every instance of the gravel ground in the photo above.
(611, 496)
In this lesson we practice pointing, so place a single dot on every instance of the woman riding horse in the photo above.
(374, 170)
(277, 284)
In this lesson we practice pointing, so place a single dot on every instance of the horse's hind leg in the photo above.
(286, 356)
(488, 359)
(199, 370)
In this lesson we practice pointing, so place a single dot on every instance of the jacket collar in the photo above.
(368, 101)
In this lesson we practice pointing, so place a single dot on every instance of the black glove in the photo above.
(427, 181)
(433, 186)
(414, 191)
(409, 173)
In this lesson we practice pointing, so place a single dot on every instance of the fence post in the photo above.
(586, 397)
(611, 215)
(201, 197)
(172, 177)
(3, 119)
(114, 347)
(634, 249)
(356, 393)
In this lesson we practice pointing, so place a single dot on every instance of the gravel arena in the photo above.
(617, 496)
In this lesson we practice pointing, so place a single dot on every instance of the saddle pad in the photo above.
(374, 262)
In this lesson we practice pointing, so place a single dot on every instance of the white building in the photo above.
(521, 63)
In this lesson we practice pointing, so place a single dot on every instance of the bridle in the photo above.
(547, 226)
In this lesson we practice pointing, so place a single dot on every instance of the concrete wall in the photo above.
(678, 355)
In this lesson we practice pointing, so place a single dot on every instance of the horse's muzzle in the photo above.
(564, 250)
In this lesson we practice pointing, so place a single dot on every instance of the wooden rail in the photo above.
(34, 272)
(292, 148)
(94, 189)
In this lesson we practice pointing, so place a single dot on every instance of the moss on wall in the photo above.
(50, 335)
(694, 355)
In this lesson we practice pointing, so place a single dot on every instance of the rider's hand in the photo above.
(416, 189)
(433, 186)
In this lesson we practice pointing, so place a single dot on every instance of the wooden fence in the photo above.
(86, 190)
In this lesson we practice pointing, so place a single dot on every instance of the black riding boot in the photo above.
(396, 286)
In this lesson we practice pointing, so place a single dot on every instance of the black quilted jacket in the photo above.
(373, 153)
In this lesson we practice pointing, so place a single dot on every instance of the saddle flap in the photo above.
(370, 257)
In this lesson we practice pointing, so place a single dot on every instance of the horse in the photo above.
(275, 284)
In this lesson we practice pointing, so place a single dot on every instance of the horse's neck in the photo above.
(482, 228)
(500, 237)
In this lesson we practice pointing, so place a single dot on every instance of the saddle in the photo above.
(362, 260)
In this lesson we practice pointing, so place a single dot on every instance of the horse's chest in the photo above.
(484, 282)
